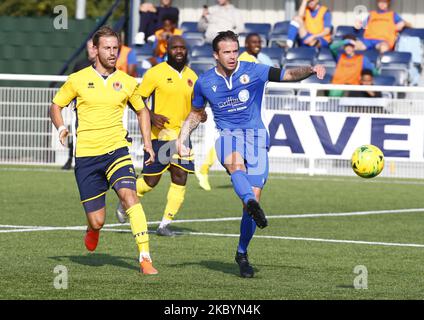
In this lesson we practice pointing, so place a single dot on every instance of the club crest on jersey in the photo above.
(190, 82)
(90, 85)
(244, 95)
(244, 79)
(117, 86)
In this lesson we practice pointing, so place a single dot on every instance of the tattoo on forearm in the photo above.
(298, 74)
(189, 125)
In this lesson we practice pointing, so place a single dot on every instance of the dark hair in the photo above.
(367, 72)
(251, 35)
(104, 31)
(224, 36)
(170, 17)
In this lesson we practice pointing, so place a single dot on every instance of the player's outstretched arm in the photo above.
(143, 117)
(191, 122)
(57, 119)
(301, 73)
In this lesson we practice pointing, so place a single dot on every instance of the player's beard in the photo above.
(106, 63)
(177, 65)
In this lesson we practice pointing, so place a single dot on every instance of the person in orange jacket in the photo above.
(127, 61)
(169, 29)
(381, 28)
(350, 64)
(313, 25)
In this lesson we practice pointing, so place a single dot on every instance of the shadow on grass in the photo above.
(100, 260)
(224, 267)
(225, 186)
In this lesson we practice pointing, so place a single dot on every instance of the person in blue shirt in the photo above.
(234, 90)
(313, 25)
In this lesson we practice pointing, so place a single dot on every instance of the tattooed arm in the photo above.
(301, 73)
(192, 121)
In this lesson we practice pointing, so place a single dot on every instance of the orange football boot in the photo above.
(146, 266)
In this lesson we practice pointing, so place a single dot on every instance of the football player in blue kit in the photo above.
(234, 90)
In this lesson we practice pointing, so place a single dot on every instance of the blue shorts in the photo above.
(370, 43)
(96, 174)
(253, 146)
(166, 155)
(324, 43)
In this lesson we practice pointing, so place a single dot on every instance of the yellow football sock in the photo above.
(209, 161)
(142, 187)
(139, 227)
(175, 199)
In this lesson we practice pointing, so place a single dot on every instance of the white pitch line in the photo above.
(43, 229)
(17, 227)
(229, 235)
(287, 216)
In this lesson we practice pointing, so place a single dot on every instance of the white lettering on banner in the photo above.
(337, 135)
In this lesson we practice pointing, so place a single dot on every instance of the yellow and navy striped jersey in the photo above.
(171, 93)
(100, 104)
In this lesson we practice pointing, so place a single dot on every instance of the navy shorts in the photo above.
(252, 146)
(166, 155)
(95, 175)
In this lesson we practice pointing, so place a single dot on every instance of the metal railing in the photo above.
(27, 135)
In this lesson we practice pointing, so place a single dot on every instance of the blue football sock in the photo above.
(293, 30)
(247, 229)
(242, 186)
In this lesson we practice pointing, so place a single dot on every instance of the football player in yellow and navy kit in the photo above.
(102, 157)
(170, 86)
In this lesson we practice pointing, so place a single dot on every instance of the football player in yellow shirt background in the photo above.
(169, 85)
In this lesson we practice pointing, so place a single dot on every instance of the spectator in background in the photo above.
(313, 25)
(151, 17)
(160, 46)
(127, 61)
(381, 28)
(349, 64)
(253, 45)
(223, 16)
(89, 58)
(367, 79)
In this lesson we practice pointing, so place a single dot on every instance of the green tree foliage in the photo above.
(39, 8)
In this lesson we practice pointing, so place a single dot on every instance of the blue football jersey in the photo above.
(235, 101)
